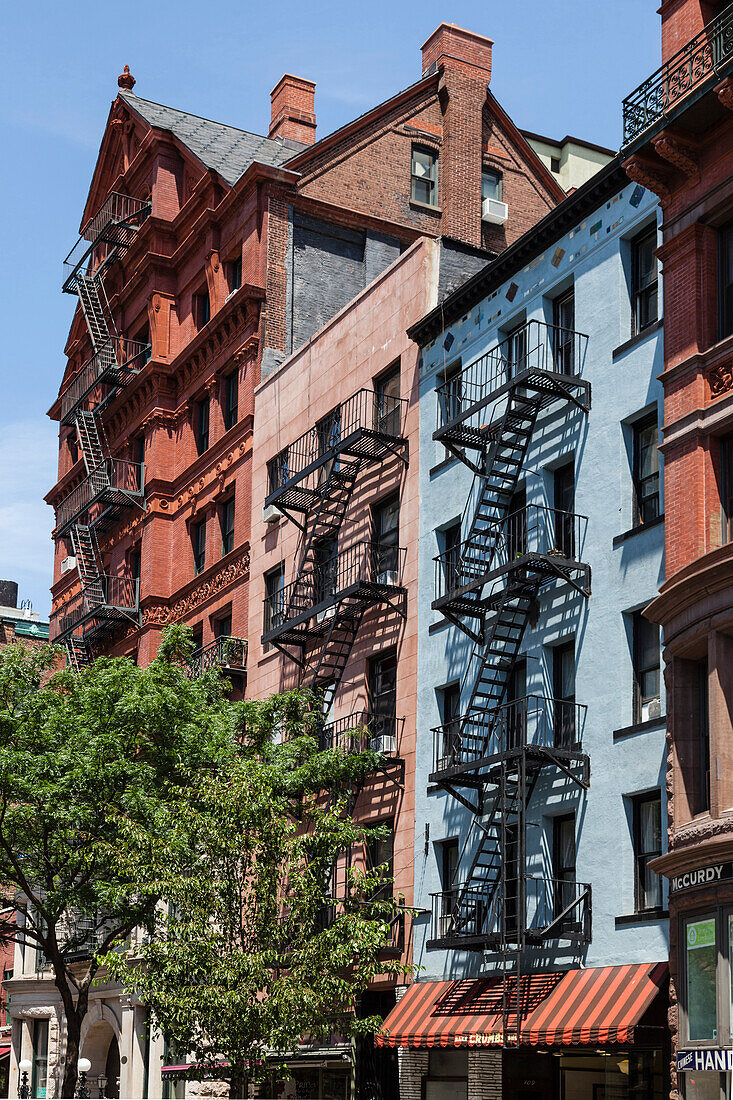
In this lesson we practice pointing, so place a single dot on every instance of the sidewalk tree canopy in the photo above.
(141, 799)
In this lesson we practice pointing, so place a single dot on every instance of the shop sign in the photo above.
(701, 876)
(701, 1060)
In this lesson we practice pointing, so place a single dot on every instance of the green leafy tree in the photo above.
(251, 953)
(92, 766)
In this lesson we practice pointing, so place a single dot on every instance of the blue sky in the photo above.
(560, 66)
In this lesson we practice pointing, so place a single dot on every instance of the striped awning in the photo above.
(562, 1008)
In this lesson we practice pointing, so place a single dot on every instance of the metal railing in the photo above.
(114, 477)
(361, 570)
(707, 53)
(113, 226)
(532, 348)
(532, 531)
(116, 362)
(528, 906)
(226, 652)
(365, 413)
(363, 731)
(106, 596)
(534, 720)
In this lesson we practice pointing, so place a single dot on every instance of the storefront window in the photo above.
(40, 1058)
(702, 1086)
(701, 960)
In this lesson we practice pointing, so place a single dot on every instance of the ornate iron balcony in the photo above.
(709, 52)
(226, 653)
(526, 909)
(534, 722)
(547, 359)
(367, 427)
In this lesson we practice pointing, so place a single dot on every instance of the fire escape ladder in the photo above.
(93, 442)
(503, 465)
(78, 652)
(96, 309)
(328, 518)
(326, 670)
(86, 550)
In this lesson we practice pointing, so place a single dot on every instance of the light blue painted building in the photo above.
(541, 798)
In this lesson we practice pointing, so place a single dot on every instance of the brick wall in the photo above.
(413, 1067)
(484, 1074)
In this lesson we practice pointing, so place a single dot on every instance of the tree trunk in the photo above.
(71, 1054)
(238, 1083)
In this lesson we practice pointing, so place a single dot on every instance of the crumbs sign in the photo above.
(701, 876)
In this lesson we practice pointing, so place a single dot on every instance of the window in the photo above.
(198, 636)
(135, 559)
(491, 185)
(201, 309)
(231, 400)
(382, 685)
(39, 1071)
(142, 337)
(388, 406)
(726, 281)
(424, 175)
(703, 799)
(202, 411)
(646, 469)
(234, 274)
(328, 434)
(326, 569)
(515, 350)
(448, 748)
(563, 332)
(726, 487)
(223, 626)
(516, 708)
(198, 540)
(447, 1075)
(555, 165)
(450, 397)
(449, 543)
(226, 519)
(138, 448)
(380, 853)
(647, 838)
(448, 868)
(563, 861)
(385, 540)
(564, 499)
(563, 691)
(516, 525)
(644, 279)
(278, 471)
(700, 978)
(646, 668)
(274, 597)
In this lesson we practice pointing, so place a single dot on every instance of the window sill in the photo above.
(417, 205)
(640, 727)
(450, 461)
(638, 339)
(650, 916)
(637, 530)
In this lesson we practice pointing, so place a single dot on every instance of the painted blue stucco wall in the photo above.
(596, 257)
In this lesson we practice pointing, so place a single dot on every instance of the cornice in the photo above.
(698, 842)
(698, 583)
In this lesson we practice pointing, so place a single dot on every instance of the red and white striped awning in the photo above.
(599, 1005)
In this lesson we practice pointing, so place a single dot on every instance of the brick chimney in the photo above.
(293, 109)
(451, 47)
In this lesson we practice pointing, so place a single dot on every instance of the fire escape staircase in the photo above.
(315, 619)
(491, 756)
(111, 485)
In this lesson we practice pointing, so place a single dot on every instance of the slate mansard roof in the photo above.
(223, 148)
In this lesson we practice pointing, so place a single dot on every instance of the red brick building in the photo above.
(679, 142)
(207, 255)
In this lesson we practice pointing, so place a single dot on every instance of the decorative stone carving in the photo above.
(126, 80)
(720, 379)
(161, 615)
(724, 92)
(640, 171)
(677, 152)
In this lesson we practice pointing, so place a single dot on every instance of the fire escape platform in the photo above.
(350, 602)
(530, 568)
(485, 770)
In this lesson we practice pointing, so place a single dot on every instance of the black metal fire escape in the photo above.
(112, 485)
(491, 756)
(314, 619)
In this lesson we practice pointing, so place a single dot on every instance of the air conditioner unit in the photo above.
(270, 514)
(494, 211)
(387, 577)
(384, 743)
(652, 709)
(67, 564)
(327, 613)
